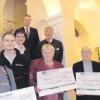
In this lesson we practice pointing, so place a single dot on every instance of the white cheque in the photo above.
(55, 81)
(88, 83)
(21, 94)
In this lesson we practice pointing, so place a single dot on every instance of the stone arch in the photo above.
(81, 34)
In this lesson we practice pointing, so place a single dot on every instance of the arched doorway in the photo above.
(81, 34)
(82, 38)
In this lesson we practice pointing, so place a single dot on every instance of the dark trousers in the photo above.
(87, 97)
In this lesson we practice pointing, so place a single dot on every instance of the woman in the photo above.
(12, 59)
(45, 63)
(20, 39)
(8, 27)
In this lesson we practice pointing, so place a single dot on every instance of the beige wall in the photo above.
(8, 11)
(2, 4)
(69, 36)
(90, 19)
(13, 10)
(20, 11)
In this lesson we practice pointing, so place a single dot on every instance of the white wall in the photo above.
(56, 22)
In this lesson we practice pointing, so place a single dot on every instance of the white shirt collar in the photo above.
(50, 40)
(20, 49)
(26, 27)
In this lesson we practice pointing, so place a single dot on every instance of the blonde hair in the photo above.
(6, 24)
(48, 46)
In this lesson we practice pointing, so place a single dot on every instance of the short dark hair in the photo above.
(19, 32)
(7, 33)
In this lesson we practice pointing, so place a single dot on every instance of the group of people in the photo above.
(23, 55)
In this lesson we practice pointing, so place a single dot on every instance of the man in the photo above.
(86, 65)
(32, 38)
(56, 44)
(12, 59)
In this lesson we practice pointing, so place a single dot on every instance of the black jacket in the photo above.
(58, 49)
(32, 42)
(19, 68)
(78, 67)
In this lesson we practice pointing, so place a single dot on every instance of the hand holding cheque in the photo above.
(88, 83)
(55, 81)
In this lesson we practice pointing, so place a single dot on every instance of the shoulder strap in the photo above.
(7, 74)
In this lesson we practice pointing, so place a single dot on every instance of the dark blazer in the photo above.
(58, 49)
(78, 67)
(32, 42)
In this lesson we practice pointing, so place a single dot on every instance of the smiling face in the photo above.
(8, 27)
(8, 42)
(48, 52)
(20, 38)
(49, 32)
(27, 21)
(86, 53)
